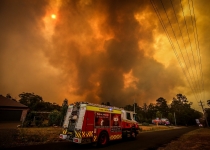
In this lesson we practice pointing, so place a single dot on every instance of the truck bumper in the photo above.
(63, 136)
(77, 140)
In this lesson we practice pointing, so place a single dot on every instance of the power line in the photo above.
(170, 41)
(182, 40)
(196, 87)
(187, 29)
(201, 70)
(196, 41)
(175, 35)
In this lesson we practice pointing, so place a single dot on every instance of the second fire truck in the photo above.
(94, 123)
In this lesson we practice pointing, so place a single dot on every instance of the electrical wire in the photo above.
(188, 70)
(187, 28)
(200, 87)
(173, 32)
(196, 41)
(199, 55)
(173, 47)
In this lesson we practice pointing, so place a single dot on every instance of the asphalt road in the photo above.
(145, 141)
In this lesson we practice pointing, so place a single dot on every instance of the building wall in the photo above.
(23, 116)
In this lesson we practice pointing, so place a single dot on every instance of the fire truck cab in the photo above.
(93, 123)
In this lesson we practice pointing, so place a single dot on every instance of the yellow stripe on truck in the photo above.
(78, 134)
(100, 109)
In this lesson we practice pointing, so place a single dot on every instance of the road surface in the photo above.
(145, 141)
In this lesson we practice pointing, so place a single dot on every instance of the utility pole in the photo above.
(201, 104)
(134, 108)
(174, 118)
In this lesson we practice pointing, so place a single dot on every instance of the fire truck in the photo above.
(162, 121)
(98, 124)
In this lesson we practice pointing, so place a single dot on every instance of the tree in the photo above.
(129, 107)
(145, 107)
(171, 118)
(181, 98)
(107, 103)
(8, 96)
(162, 106)
(208, 103)
(158, 114)
(151, 111)
(185, 115)
(30, 99)
(54, 118)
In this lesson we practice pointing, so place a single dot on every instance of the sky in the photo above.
(115, 51)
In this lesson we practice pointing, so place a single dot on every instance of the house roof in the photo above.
(6, 102)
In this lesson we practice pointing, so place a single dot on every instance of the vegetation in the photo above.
(208, 103)
(179, 110)
(40, 111)
(36, 103)
(207, 115)
(32, 136)
(54, 118)
(29, 136)
(194, 140)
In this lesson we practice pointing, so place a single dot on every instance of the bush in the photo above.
(27, 123)
(28, 120)
(145, 124)
(54, 118)
(140, 129)
(38, 121)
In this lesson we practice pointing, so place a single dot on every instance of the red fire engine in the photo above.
(94, 123)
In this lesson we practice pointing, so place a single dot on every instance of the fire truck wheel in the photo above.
(133, 135)
(103, 139)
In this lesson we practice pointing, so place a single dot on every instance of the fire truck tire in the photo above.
(124, 135)
(133, 135)
(103, 139)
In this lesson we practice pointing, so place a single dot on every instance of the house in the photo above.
(11, 110)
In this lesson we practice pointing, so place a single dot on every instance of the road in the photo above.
(145, 141)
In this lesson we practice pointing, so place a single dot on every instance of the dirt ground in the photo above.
(9, 125)
(12, 136)
(195, 140)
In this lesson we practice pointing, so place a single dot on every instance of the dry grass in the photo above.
(38, 134)
(154, 128)
(28, 136)
(195, 140)
(31, 136)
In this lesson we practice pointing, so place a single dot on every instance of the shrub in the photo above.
(54, 118)
(145, 124)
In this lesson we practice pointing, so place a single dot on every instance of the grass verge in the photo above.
(28, 136)
(154, 128)
(195, 140)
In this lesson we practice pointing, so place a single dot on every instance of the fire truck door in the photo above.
(90, 121)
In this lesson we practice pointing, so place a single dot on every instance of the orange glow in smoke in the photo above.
(53, 16)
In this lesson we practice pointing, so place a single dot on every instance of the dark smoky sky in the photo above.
(100, 51)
